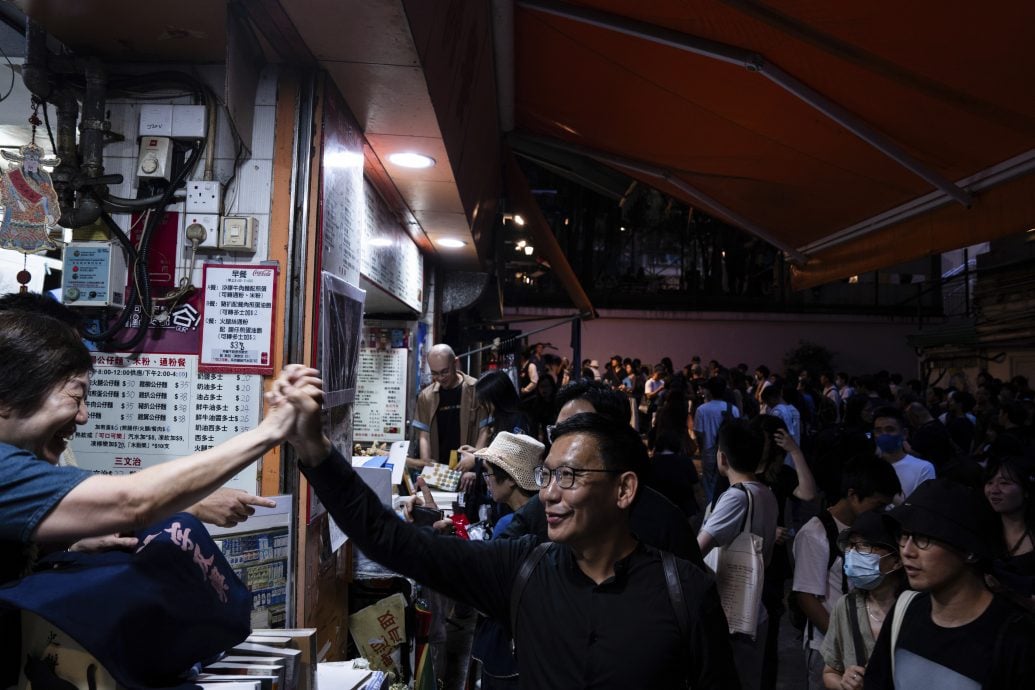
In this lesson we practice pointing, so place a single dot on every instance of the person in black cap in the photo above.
(874, 571)
(953, 632)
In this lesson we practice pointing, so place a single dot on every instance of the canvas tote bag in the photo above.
(739, 572)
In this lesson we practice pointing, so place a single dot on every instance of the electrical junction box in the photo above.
(94, 274)
(155, 160)
(204, 196)
(238, 234)
(156, 121)
(189, 122)
(208, 221)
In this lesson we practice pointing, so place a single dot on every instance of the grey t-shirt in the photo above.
(725, 520)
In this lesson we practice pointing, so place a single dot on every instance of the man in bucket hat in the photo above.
(953, 632)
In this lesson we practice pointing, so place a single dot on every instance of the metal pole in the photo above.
(753, 62)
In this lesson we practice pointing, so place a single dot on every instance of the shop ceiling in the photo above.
(852, 136)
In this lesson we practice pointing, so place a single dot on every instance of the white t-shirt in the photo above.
(811, 575)
(723, 524)
(912, 472)
(708, 419)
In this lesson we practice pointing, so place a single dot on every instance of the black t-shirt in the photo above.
(448, 420)
(968, 657)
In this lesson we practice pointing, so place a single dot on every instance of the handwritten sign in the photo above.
(237, 319)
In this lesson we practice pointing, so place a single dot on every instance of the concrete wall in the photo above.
(860, 344)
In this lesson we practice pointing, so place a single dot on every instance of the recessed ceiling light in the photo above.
(409, 159)
(519, 219)
(451, 243)
(380, 242)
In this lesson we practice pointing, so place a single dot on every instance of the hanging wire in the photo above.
(10, 65)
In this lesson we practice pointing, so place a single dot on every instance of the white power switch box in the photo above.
(155, 158)
(238, 234)
(188, 122)
(156, 121)
(209, 222)
(204, 196)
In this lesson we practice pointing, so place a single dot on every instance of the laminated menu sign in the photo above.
(147, 409)
(237, 319)
(380, 408)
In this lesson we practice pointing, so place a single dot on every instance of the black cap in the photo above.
(951, 513)
(873, 529)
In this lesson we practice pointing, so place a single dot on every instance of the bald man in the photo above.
(448, 413)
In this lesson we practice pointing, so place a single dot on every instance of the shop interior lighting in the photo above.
(529, 249)
(451, 243)
(520, 245)
(380, 242)
(410, 159)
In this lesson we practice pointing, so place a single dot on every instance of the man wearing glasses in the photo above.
(953, 632)
(595, 610)
(448, 414)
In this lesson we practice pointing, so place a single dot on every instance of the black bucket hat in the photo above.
(951, 513)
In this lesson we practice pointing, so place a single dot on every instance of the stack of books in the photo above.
(268, 660)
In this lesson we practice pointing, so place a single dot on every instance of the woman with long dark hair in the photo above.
(1009, 485)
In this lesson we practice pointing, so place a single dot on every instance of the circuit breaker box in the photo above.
(94, 275)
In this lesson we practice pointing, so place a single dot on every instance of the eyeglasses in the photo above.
(441, 373)
(861, 548)
(920, 541)
(565, 476)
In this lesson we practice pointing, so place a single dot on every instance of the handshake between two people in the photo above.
(294, 413)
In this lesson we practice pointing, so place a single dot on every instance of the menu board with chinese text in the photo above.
(379, 413)
(147, 409)
(237, 319)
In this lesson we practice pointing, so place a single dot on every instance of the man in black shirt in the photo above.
(654, 519)
(595, 611)
(953, 632)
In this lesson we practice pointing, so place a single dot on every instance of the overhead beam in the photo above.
(753, 62)
(520, 196)
(1004, 210)
(712, 205)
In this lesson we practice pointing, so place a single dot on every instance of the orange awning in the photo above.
(853, 136)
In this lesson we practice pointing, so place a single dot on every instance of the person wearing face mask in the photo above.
(875, 574)
(889, 433)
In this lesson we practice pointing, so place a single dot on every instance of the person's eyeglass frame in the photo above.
(443, 373)
(543, 477)
(921, 541)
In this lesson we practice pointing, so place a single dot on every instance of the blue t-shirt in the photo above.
(29, 489)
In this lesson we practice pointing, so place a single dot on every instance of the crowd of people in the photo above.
(860, 488)
(889, 521)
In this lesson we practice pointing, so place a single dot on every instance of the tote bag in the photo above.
(146, 616)
(739, 573)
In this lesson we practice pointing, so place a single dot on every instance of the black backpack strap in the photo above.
(853, 623)
(832, 549)
(675, 593)
(528, 566)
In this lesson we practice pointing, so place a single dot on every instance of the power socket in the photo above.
(209, 222)
(204, 196)
(238, 234)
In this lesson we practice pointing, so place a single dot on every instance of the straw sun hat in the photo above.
(515, 454)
